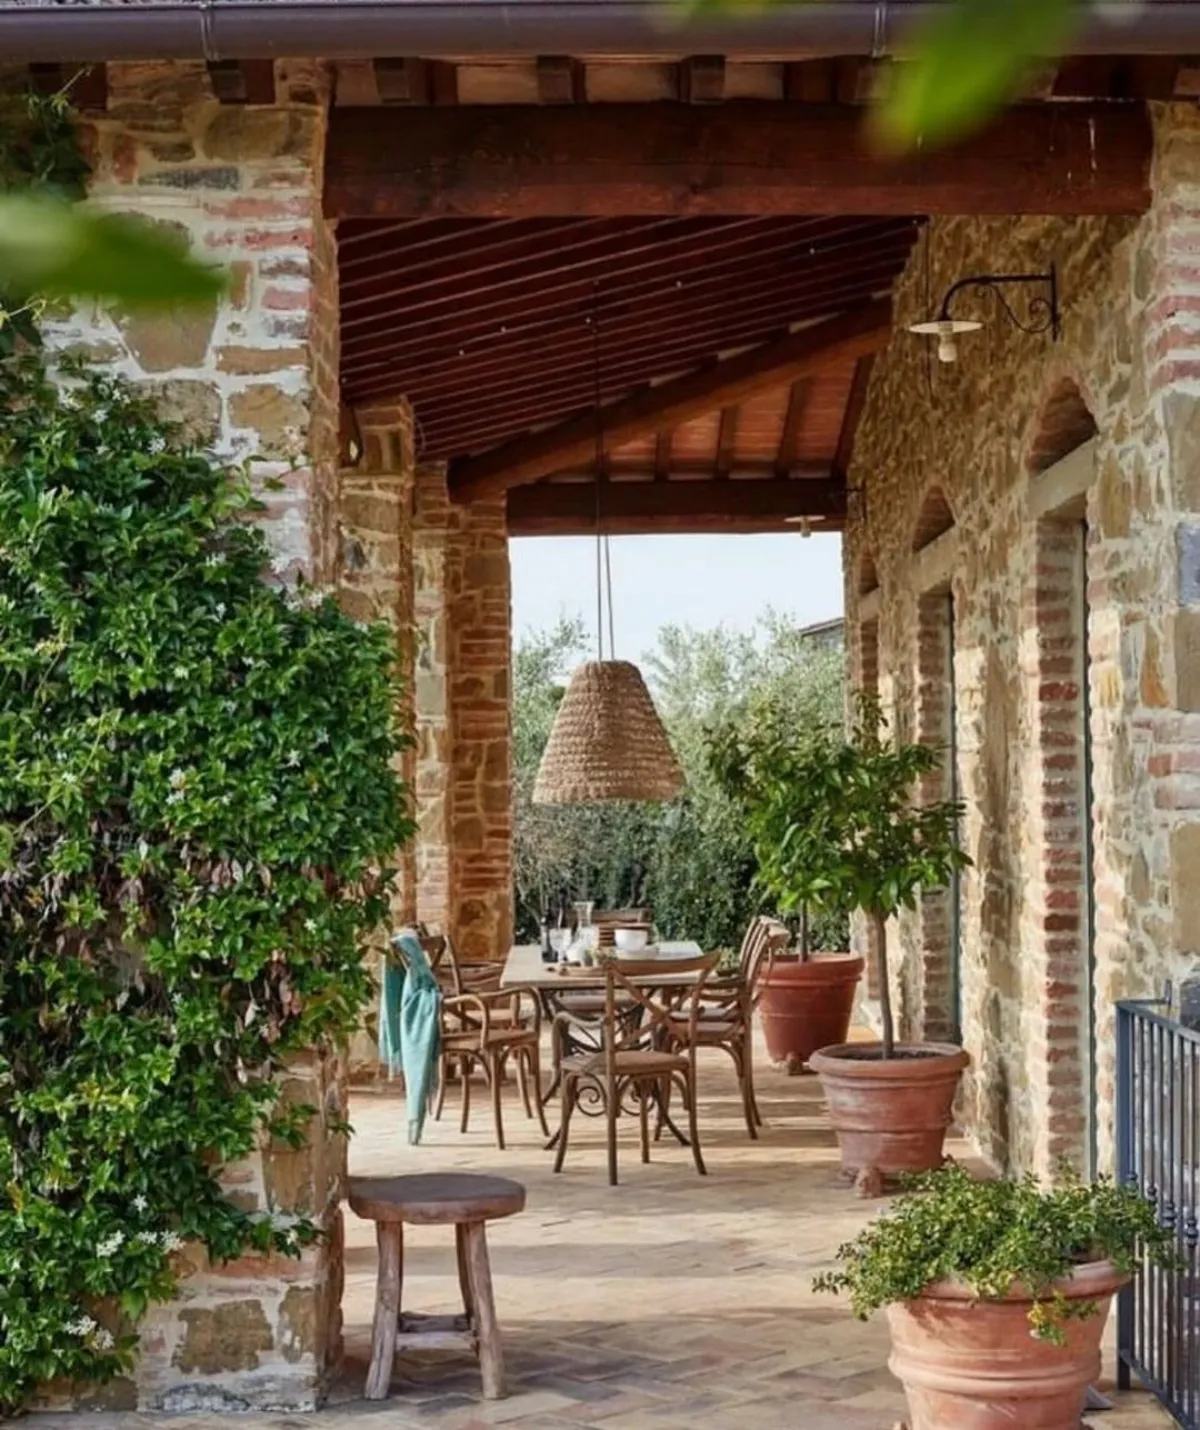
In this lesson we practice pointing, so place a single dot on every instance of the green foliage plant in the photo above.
(198, 806)
(994, 1237)
(836, 823)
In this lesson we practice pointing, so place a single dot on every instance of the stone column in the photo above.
(461, 690)
(254, 374)
(376, 584)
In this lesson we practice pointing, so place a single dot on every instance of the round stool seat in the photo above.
(436, 1198)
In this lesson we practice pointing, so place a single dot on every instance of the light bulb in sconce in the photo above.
(803, 523)
(946, 331)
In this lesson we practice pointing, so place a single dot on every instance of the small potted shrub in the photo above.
(997, 1293)
(776, 779)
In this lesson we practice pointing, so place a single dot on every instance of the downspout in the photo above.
(42, 31)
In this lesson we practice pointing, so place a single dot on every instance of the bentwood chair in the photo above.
(486, 1027)
(634, 1070)
(727, 1007)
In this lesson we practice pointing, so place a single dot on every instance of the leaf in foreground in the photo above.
(60, 250)
(970, 62)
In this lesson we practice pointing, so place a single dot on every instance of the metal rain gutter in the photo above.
(43, 31)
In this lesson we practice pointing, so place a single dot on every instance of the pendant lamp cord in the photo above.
(603, 554)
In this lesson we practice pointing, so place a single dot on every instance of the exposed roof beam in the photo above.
(743, 157)
(854, 407)
(662, 456)
(863, 330)
(726, 437)
(789, 438)
(640, 508)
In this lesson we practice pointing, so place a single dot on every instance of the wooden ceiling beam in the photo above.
(789, 438)
(706, 326)
(748, 157)
(243, 81)
(855, 403)
(863, 330)
(561, 80)
(643, 508)
(538, 316)
(726, 437)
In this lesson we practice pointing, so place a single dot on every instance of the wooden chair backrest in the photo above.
(635, 1008)
(774, 942)
(608, 920)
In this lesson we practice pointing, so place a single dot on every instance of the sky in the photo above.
(700, 581)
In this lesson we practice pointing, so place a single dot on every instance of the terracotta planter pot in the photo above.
(890, 1116)
(806, 1006)
(972, 1365)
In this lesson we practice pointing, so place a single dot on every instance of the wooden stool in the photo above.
(455, 1199)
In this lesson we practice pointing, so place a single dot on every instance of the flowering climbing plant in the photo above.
(198, 805)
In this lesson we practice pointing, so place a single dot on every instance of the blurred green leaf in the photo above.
(969, 62)
(58, 250)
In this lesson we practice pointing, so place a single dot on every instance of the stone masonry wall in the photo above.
(461, 691)
(1131, 345)
(254, 374)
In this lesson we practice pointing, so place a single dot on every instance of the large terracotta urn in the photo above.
(890, 1116)
(806, 1005)
(973, 1365)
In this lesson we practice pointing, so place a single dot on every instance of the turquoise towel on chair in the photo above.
(420, 1026)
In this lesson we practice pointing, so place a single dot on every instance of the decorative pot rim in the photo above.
(933, 1061)
(790, 969)
(1088, 1280)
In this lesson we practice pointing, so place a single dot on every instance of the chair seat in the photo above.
(710, 1031)
(469, 1039)
(648, 1063)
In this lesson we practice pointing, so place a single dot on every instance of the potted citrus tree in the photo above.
(997, 1293)
(772, 774)
(868, 844)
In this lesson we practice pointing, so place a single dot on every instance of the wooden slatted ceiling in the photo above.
(486, 325)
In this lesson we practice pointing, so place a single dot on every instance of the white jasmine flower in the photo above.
(310, 925)
(170, 1241)
(216, 558)
(175, 797)
(181, 672)
(140, 1203)
(220, 608)
(293, 758)
(81, 1326)
(146, 1238)
(103, 1340)
(111, 1244)
(178, 778)
(157, 445)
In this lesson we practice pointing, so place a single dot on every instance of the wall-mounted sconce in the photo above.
(805, 524)
(1041, 308)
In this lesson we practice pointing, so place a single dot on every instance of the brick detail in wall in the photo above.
(933, 694)
(1054, 929)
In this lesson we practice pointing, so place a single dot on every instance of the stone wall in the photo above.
(255, 375)
(982, 432)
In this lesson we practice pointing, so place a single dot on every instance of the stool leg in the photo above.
(464, 1275)
(390, 1236)
(487, 1329)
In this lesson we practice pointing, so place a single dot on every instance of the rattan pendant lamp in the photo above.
(607, 743)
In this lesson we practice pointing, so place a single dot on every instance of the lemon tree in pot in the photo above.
(836, 825)
(770, 770)
(997, 1293)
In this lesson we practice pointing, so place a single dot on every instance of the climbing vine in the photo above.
(198, 803)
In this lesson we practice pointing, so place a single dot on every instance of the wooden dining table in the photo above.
(554, 983)
(523, 968)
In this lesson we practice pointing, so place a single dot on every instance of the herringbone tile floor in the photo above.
(671, 1302)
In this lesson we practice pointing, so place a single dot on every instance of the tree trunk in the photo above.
(887, 1029)
(803, 933)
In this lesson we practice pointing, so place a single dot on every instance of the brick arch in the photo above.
(1063, 423)
(933, 520)
(868, 574)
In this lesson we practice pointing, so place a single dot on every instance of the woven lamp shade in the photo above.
(607, 742)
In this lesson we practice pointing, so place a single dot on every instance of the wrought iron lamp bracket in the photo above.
(1042, 312)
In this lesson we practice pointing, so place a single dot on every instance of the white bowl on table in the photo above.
(633, 943)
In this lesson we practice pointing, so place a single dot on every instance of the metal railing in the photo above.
(1158, 1150)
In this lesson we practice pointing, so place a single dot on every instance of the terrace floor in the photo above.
(667, 1303)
